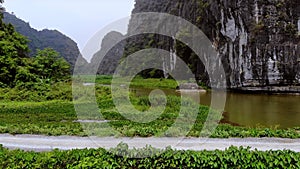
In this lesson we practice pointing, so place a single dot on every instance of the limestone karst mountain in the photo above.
(46, 38)
(257, 41)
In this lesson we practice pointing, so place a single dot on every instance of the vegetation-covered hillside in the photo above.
(45, 39)
(21, 74)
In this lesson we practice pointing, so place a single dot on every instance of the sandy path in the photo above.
(47, 143)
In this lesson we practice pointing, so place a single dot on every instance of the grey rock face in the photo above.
(260, 42)
(108, 58)
(257, 40)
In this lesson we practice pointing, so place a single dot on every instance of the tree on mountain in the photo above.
(49, 65)
(46, 68)
(17, 69)
(13, 47)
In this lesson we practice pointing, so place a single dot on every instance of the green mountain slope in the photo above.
(46, 39)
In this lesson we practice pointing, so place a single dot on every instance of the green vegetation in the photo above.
(20, 73)
(42, 77)
(36, 95)
(136, 82)
(45, 39)
(48, 65)
(153, 83)
(13, 50)
(31, 73)
(39, 78)
(38, 92)
(226, 130)
(48, 118)
(166, 119)
(59, 118)
(156, 127)
(232, 157)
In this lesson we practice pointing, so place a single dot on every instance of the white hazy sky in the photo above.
(78, 19)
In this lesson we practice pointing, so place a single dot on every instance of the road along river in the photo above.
(48, 143)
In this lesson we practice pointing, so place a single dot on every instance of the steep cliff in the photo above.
(257, 40)
(112, 57)
(46, 38)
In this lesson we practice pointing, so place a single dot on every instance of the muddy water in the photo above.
(252, 109)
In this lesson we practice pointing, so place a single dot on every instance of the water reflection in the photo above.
(251, 109)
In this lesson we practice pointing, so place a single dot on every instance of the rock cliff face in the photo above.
(111, 58)
(257, 40)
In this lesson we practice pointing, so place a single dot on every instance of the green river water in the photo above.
(280, 110)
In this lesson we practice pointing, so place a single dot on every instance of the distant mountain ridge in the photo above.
(108, 59)
(46, 38)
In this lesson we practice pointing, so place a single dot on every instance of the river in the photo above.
(251, 110)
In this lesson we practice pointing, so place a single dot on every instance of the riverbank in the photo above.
(289, 90)
(60, 118)
(171, 84)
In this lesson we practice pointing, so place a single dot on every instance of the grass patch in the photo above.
(49, 118)
(136, 82)
(154, 83)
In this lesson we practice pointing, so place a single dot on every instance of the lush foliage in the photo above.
(43, 70)
(232, 157)
(19, 71)
(35, 79)
(13, 48)
(38, 92)
(226, 130)
(50, 66)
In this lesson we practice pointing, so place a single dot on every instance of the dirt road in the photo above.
(48, 143)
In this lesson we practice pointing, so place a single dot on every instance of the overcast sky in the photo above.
(77, 19)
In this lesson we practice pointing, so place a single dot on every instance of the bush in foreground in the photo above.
(233, 157)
